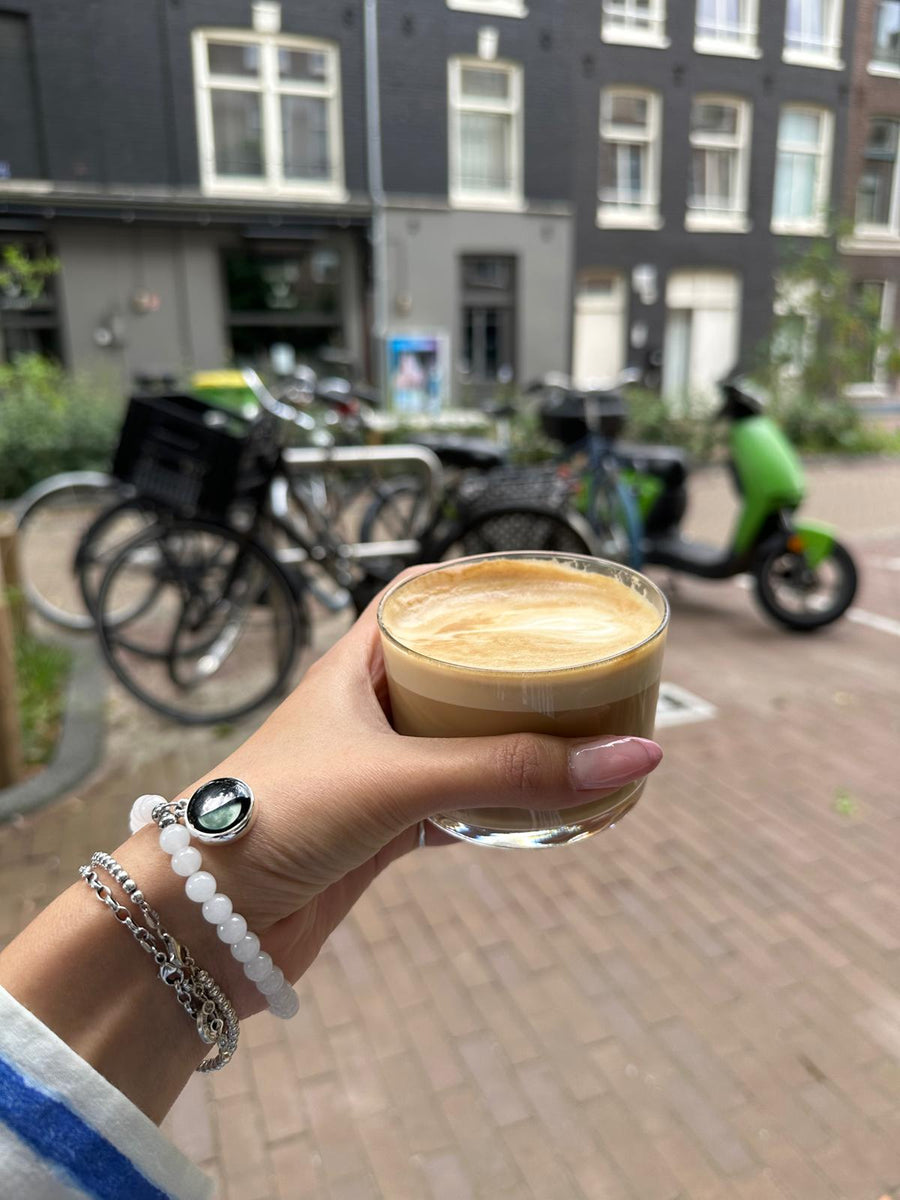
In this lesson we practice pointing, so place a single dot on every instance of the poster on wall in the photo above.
(417, 372)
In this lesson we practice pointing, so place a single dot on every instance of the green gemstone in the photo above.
(220, 818)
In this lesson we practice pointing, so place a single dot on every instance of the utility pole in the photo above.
(380, 302)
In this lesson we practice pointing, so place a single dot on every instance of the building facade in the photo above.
(872, 180)
(711, 140)
(566, 184)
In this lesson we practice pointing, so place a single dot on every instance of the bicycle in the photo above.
(203, 617)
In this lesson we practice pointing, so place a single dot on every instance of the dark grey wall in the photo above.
(678, 74)
(115, 88)
(416, 39)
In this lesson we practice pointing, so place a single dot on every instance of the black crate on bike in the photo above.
(193, 457)
(564, 415)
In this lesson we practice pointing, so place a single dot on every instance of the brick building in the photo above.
(872, 180)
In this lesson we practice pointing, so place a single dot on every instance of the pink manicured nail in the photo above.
(611, 761)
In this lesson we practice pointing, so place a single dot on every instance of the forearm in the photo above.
(88, 980)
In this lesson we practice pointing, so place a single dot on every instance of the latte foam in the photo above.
(515, 615)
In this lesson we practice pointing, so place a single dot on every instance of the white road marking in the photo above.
(678, 706)
(874, 621)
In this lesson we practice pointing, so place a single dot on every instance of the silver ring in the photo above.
(422, 831)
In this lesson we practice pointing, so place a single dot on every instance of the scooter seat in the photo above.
(454, 450)
(668, 463)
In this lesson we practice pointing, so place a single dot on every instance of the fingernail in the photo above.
(609, 762)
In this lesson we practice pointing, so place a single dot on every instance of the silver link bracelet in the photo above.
(197, 992)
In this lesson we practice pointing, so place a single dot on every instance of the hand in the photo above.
(341, 794)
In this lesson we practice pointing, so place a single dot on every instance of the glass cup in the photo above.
(615, 694)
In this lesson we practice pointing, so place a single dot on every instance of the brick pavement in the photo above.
(702, 1004)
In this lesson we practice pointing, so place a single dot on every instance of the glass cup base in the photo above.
(536, 839)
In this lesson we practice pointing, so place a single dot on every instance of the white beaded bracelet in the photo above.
(219, 811)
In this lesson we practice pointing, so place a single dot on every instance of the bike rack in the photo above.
(334, 458)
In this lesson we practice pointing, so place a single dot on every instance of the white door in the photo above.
(702, 326)
(598, 353)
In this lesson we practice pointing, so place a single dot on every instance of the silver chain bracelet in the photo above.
(197, 992)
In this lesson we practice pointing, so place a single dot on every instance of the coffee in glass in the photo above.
(526, 642)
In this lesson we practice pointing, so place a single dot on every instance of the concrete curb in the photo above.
(80, 744)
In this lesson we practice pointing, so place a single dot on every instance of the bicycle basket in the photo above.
(511, 485)
(563, 417)
(193, 457)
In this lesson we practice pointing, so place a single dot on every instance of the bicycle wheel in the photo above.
(615, 521)
(100, 544)
(516, 527)
(222, 633)
(399, 510)
(51, 519)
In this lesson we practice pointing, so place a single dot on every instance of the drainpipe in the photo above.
(378, 237)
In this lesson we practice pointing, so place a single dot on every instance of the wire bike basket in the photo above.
(194, 458)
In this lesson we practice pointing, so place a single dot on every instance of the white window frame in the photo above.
(704, 220)
(744, 43)
(491, 8)
(878, 66)
(270, 89)
(817, 223)
(623, 24)
(891, 231)
(829, 57)
(459, 196)
(625, 216)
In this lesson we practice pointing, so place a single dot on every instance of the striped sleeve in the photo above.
(66, 1132)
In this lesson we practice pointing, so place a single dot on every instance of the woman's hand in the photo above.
(341, 795)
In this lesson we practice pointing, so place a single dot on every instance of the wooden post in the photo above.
(11, 570)
(11, 757)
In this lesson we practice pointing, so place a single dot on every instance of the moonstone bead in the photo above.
(187, 860)
(173, 837)
(285, 1002)
(146, 804)
(269, 984)
(258, 967)
(200, 886)
(232, 929)
(217, 909)
(246, 949)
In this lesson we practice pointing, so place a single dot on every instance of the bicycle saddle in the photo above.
(454, 450)
(669, 463)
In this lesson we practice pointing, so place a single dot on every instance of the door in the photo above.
(598, 352)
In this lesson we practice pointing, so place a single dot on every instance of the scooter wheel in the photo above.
(805, 598)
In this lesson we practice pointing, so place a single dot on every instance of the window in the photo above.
(635, 22)
(727, 27)
(812, 34)
(720, 151)
(29, 324)
(268, 111)
(628, 183)
(485, 133)
(886, 51)
(491, 8)
(488, 344)
(876, 299)
(802, 171)
(283, 293)
(20, 140)
(877, 191)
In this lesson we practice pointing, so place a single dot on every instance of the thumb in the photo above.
(519, 770)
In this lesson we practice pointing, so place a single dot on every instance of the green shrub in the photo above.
(41, 671)
(689, 423)
(52, 421)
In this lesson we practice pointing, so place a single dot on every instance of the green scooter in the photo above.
(803, 576)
